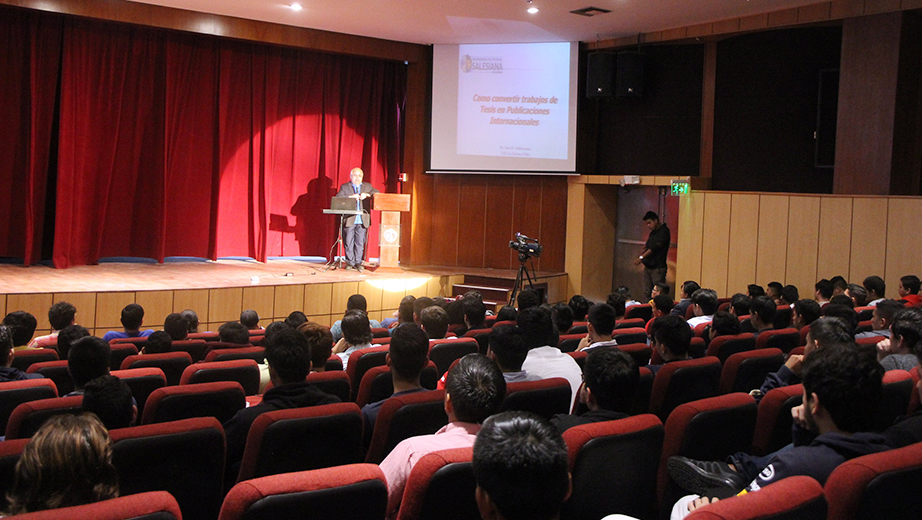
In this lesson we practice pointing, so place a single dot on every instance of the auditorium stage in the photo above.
(219, 290)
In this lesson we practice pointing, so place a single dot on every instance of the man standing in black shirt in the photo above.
(654, 253)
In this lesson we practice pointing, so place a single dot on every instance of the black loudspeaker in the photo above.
(600, 75)
(629, 77)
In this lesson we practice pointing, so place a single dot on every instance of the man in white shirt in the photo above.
(544, 359)
(705, 302)
(602, 320)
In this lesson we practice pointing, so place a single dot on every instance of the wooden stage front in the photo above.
(219, 290)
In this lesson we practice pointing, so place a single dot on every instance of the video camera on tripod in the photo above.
(526, 246)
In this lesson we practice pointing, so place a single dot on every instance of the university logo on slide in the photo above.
(478, 64)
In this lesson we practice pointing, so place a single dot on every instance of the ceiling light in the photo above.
(532, 10)
(296, 7)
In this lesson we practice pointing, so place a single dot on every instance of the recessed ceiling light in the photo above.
(296, 7)
(532, 10)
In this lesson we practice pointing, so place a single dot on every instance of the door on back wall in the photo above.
(631, 234)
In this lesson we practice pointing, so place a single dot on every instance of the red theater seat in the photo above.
(880, 485)
(156, 505)
(243, 371)
(406, 416)
(441, 485)
(791, 498)
(28, 417)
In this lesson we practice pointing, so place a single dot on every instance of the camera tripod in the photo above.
(521, 278)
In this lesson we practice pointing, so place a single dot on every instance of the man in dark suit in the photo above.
(356, 226)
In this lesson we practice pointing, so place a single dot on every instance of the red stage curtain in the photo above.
(176, 144)
(29, 68)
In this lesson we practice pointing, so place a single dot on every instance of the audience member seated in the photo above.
(723, 324)
(159, 342)
(419, 304)
(824, 332)
(705, 302)
(355, 302)
(455, 311)
(88, 359)
(356, 335)
(192, 318)
(876, 289)
(275, 327)
(132, 320)
(611, 378)
(858, 294)
(789, 294)
(67, 463)
(408, 355)
(774, 292)
(508, 313)
(60, 315)
(403, 315)
(528, 298)
(475, 314)
(434, 320)
(507, 348)
(662, 306)
(474, 391)
(688, 288)
(602, 318)
(562, 315)
(521, 467)
(909, 290)
(544, 359)
(8, 373)
(109, 398)
(839, 285)
(289, 359)
(617, 302)
(898, 351)
(580, 306)
(658, 289)
(739, 304)
(295, 319)
(908, 430)
(67, 337)
(843, 312)
(234, 332)
(626, 294)
(176, 326)
(755, 290)
(250, 319)
(804, 312)
(22, 327)
(841, 299)
(881, 319)
(842, 388)
(320, 341)
(822, 292)
(670, 337)
(761, 315)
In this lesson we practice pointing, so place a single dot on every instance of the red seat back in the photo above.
(644, 311)
(55, 371)
(359, 363)
(773, 423)
(722, 347)
(142, 382)
(406, 416)
(544, 397)
(444, 352)
(257, 354)
(120, 351)
(172, 364)
(797, 497)
(243, 371)
(14, 393)
(880, 485)
(440, 482)
(155, 505)
(356, 491)
(28, 417)
(785, 339)
(746, 371)
(684, 381)
(219, 399)
(22, 359)
(332, 382)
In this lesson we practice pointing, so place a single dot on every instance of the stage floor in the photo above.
(219, 290)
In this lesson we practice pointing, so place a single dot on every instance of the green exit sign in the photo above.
(680, 188)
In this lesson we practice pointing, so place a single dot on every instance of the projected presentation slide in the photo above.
(513, 100)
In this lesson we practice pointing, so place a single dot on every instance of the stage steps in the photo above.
(496, 291)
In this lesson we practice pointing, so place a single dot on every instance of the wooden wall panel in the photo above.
(262, 300)
(715, 254)
(323, 319)
(341, 293)
(834, 252)
(84, 302)
(553, 223)
(195, 299)
(447, 199)
(499, 209)
(157, 304)
(35, 304)
(773, 236)
(904, 256)
(472, 220)
(690, 240)
(318, 299)
(869, 241)
(3, 311)
(284, 300)
(526, 218)
(803, 237)
(372, 295)
(744, 235)
(224, 304)
(576, 202)
(391, 296)
(109, 309)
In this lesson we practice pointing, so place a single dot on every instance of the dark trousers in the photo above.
(650, 277)
(354, 241)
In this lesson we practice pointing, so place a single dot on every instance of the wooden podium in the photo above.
(390, 205)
